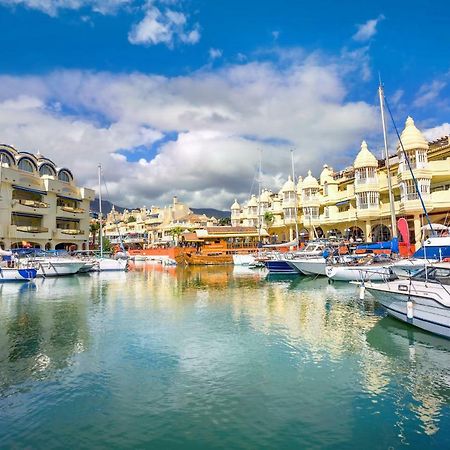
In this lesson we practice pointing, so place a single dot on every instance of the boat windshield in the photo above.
(434, 274)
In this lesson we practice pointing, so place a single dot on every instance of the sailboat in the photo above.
(374, 270)
(104, 264)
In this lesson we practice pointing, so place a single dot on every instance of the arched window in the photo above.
(6, 158)
(26, 165)
(46, 169)
(63, 175)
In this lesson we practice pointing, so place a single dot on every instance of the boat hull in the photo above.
(310, 266)
(280, 266)
(358, 273)
(243, 260)
(425, 312)
(55, 268)
(203, 260)
(17, 275)
(111, 265)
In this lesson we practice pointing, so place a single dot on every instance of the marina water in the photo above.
(214, 357)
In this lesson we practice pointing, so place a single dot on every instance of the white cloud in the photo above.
(52, 7)
(429, 92)
(368, 29)
(222, 118)
(215, 53)
(163, 27)
(436, 132)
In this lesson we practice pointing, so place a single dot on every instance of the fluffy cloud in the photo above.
(220, 120)
(163, 27)
(367, 30)
(436, 132)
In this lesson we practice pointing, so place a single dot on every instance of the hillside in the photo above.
(107, 206)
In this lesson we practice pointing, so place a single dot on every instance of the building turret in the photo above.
(310, 198)
(235, 214)
(416, 149)
(366, 180)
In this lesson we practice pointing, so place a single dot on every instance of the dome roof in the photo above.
(310, 181)
(252, 201)
(289, 186)
(235, 205)
(325, 176)
(299, 185)
(265, 196)
(365, 158)
(411, 137)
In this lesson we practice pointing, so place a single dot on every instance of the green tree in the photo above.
(269, 219)
(175, 232)
(131, 219)
(107, 245)
(223, 221)
(93, 230)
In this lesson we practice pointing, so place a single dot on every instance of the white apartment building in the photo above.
(40, 204)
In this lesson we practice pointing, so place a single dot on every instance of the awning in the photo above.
(69, 198)
(27, 215)
(66, 219)
(27, 189)
(344, 202)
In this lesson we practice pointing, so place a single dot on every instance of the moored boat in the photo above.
(423, 300)
(8, 274)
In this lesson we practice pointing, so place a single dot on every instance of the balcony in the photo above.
(72, 209)
(33, 203)
(31, 229)
(69, 233)
(72, 232)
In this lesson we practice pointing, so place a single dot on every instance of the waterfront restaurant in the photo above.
(354, 203)
(40, 204)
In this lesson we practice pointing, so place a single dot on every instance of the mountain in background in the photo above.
(107, 206)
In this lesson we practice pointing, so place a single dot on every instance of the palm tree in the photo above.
(93, 228)
(269, 219)
(175, 233)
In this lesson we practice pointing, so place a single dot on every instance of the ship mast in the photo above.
(100, 214)
(295, 199)
(386, 156)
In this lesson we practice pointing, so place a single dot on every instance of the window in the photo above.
(5, 159)
(46, 169)
(325, 188)
(64, 176)
(26, 165)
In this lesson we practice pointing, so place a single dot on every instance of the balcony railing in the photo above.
(72, 232)
(72, 209)
(31, 229)
(33, 203)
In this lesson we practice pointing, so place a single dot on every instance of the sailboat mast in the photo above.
(259, 197)
(100, 214)
(295, 198)
(388, 169)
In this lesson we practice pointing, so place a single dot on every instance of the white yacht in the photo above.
(310, 260)
(422, 300)
(55, 266)
(243, 260)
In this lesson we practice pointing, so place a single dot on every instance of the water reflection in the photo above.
(305, 347)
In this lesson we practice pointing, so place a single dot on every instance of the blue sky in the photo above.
(197, 87)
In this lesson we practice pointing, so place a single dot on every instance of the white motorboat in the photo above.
(310, 266)
(363, 272)
(110, 265)
(422, 300)
(243, 260)
(309, 260)
(57, 266)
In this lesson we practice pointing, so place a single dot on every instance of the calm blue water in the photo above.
(214, 358)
